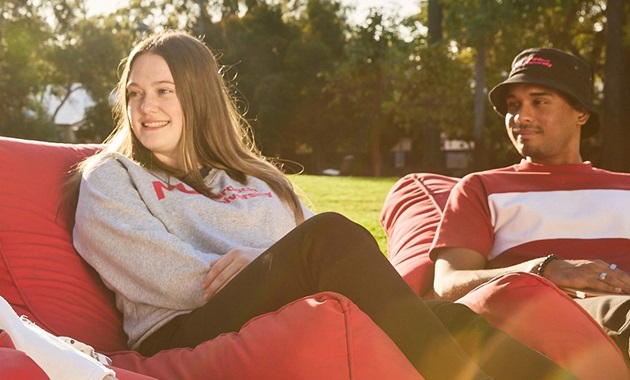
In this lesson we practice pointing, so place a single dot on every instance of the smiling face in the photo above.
(543, 126)
(154, 111)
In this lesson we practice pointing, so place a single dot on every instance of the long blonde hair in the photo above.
(215, 133)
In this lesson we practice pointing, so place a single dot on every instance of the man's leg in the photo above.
(613, 314)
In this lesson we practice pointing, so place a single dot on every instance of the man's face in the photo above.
(542, 125)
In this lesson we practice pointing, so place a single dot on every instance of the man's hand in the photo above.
(588, 274)
(226, 267)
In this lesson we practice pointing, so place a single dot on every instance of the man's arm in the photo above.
(460, 270)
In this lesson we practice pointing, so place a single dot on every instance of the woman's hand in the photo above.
(588, 274)
(226, 267)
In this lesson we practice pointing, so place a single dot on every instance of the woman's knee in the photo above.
(335, 224)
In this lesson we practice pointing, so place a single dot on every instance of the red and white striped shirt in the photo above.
(525, 211)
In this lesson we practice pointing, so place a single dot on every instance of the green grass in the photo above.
(358, 198)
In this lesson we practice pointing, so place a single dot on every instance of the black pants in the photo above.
(328, 252)
(613, 314)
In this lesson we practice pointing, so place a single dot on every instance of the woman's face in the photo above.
(154, 110)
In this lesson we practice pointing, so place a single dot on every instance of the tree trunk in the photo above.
(432, 158)
(435, 21)
(616, 132)
(375, 151)
(68, 90)
(480, 159)
(377, 123)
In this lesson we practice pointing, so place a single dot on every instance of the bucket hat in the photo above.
(554, 69)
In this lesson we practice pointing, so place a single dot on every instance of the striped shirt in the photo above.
(525, 211)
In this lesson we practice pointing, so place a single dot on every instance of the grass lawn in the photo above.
(358, 198)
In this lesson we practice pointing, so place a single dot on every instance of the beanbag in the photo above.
(533, 310)
(41, 275)
(324, 336)
(410, 216)
(17, 365)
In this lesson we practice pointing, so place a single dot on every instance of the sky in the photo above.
(391, 7)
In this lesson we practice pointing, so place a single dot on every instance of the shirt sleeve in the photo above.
(131, 249)
(466, 221)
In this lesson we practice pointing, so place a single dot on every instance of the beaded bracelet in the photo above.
(540, 268)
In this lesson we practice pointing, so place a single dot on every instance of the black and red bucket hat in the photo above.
(557, 70)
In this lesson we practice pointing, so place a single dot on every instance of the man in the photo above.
(552, 214)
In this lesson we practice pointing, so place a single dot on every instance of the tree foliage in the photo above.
(52, 48)
(316, 89)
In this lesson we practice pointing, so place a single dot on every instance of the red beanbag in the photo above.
(410, 216)
(528, 307)
(324, 336)
(534, 311)
(41, 275)
(17, 365)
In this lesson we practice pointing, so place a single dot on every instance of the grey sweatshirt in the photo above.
(152, 238)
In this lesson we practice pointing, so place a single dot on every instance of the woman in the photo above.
(196, 233)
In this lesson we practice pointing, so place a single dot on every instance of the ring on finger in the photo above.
(602, 276)
(613, 266)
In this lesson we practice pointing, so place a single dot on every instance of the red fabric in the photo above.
(539, 214)
(42, 276)
(528, 307)
(410, 216)
(534, 311)
(16, 364)
(5, 340)
(335, 341)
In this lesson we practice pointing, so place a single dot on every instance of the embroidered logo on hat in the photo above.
(533, 60)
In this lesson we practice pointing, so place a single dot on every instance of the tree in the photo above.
(257, 44)
(21, 39)
(52, 48)
(309, 62)
(616, 131)
(279, 63)
(87, 58)
(362, 85)
(315, 89)
(432, 156)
